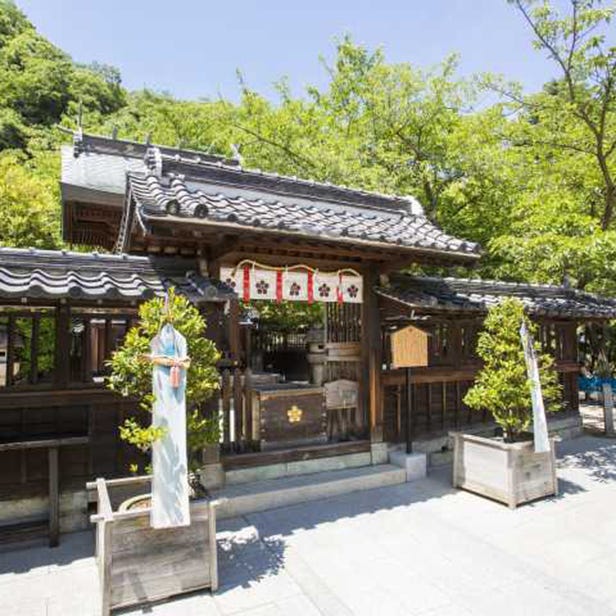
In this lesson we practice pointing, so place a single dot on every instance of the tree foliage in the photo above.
(502, 386)
(29, 212)
(531, 176)
(131, 375)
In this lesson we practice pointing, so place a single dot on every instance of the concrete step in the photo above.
(240, 499)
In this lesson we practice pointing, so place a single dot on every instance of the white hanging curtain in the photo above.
(300, 283)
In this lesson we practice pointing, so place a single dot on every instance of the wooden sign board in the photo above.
(409, 347)
(341, 394)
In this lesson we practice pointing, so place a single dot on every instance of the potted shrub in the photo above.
(507, 468)
(138, 563)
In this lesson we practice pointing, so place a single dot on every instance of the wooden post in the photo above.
(86, 360)
(608, 408)
(36, 321)
(457, 444)
(104, 548)
(234, 330)
(226, 406)
(444, 404)
(238, 408)
(371, 356)
(409, 412)
(212, 545)
(10, 350)
(54, 498)
(62, 363)
(105, 567)
(108, 338)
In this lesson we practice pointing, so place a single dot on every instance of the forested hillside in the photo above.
(532, 176)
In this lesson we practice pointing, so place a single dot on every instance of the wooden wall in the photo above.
(439, 389)
(25, 473)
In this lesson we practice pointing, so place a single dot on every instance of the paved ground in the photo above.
(593, 417)
(419, 548)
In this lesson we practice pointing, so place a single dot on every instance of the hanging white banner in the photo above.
(326, 287)
(540, 425)
(352, 288)
(295, 286)
(254, 282)
(233, 278)
(262, 284)
(170, 492)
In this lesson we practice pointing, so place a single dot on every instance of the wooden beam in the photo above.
(227, 244)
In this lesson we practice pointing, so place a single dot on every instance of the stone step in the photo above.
(240, 499)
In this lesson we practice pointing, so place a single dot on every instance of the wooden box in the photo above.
(138, 564)
(288, 417)
(511, 473)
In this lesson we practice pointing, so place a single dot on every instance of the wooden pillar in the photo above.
(54, 498)
(86, 358)
(10, 350)
(234, 330)
(371, 356)
(62, 371)
(34, 340)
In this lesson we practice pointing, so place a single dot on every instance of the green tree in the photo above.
(131, 375)
(502, 386)
(29, 213)
(561, 142)
(585, 95)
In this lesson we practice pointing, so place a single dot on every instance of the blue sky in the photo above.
(192, 48)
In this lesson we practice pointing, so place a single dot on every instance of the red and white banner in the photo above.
(301, 285)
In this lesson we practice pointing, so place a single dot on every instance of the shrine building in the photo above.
(327, 382)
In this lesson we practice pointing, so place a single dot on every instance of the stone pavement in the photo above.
(419, 548)
(593, 417)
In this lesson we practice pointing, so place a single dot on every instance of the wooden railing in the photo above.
(437, 399)
(436, 402)
(235, 408)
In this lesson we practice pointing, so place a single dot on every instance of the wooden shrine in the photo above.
(228, 238)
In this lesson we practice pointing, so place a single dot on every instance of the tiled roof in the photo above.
(218, 190)
(50, 274)
(176, 199)
(460, 295)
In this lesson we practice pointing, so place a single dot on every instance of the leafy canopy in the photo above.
(502, 386)
(531, 176)
(29, 213)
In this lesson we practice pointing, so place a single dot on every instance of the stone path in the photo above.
(419, 548)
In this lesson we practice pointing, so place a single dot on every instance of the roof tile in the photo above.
(381, 226)
(460, 294)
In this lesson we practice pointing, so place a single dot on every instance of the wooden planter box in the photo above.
(511, 473)
(138, 564)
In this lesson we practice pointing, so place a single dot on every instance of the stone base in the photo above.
(73, 510)
(414, 464)
(244, 498)
(379, 453)
(439, 448)
(298, 467)
(212, 476)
